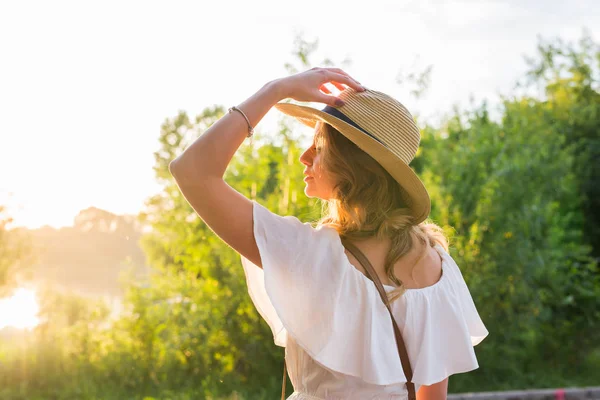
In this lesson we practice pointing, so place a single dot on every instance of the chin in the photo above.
(309, 192)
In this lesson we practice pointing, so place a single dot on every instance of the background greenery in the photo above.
(516, 188)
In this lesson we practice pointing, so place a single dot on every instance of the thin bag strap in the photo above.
(284, 379)
(404, 360)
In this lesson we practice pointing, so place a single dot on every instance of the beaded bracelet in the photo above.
(250, 128)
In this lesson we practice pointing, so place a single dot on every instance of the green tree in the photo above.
(198, 288)
(517, 195)
(568, 77)
(514, 191)
(15, 255)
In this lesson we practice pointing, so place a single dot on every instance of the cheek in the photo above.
(317, 167)
(322, 179)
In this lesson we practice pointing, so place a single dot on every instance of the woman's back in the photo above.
(412, 270)
(337, 332)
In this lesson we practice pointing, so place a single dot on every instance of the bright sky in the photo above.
(85, 86)
(20, 310)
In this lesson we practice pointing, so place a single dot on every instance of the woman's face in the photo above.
(318, 183)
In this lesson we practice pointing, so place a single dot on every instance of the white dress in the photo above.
(337, 332)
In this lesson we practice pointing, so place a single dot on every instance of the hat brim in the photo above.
(418, 199)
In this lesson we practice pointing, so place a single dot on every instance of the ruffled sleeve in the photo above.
(442, 326)
(308, 289)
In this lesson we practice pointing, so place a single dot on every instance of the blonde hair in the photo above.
(368, 202)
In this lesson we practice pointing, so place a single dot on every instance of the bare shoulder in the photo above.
(415, 273)
(429, 270)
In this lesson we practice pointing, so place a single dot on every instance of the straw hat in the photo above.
(380, 126)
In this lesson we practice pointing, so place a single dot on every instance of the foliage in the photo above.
(205, 273)
(15, 255)
(518, 196)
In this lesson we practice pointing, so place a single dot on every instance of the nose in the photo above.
(305, 158)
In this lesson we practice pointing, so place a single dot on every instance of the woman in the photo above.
(315, 296)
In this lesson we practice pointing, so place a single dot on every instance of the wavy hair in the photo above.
(368, 202)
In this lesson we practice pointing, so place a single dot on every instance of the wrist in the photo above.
(278, 89)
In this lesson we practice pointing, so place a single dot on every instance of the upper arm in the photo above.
(437, 391)
(226, 211)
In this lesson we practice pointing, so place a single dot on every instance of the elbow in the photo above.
(175, 168)
(179, 171)
(184, 174)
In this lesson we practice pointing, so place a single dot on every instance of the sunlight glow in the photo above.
(20, 311)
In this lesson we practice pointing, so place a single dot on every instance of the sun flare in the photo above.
(20, 310)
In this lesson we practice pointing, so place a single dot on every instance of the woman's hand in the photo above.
(310, 85)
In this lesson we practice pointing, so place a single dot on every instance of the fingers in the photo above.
(340, 71)
(338, 85)
(329, 100)
(325, 89)
(335, 77)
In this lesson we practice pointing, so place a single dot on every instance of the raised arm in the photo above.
(208, 157)
(199, 170)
